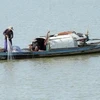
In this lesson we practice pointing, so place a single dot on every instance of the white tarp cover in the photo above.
(62, 41)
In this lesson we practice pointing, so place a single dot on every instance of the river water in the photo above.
(55, 78)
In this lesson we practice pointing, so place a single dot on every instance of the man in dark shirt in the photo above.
(8, 33)
(34, 46)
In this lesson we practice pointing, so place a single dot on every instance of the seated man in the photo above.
(34, 46)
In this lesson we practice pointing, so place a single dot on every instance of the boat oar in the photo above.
(47, 38)
(46, 42)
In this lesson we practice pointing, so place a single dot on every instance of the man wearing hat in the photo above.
(8, 33)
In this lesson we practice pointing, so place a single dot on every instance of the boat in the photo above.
(92, 48)
(56, 45)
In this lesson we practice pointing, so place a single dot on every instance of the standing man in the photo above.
(8, 33)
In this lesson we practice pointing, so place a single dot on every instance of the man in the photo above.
(34, 46)
(8, 33)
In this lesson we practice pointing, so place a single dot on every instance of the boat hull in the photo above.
(68, 51)
(52, 53)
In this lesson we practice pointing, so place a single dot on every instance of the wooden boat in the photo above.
(25, 54)
(56, 49)
(94, 48)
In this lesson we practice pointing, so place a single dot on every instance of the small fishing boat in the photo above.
(92, 48)
(62, 44)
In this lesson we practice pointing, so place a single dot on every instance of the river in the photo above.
(54, 78)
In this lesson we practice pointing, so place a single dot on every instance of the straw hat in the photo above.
(10, 28)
